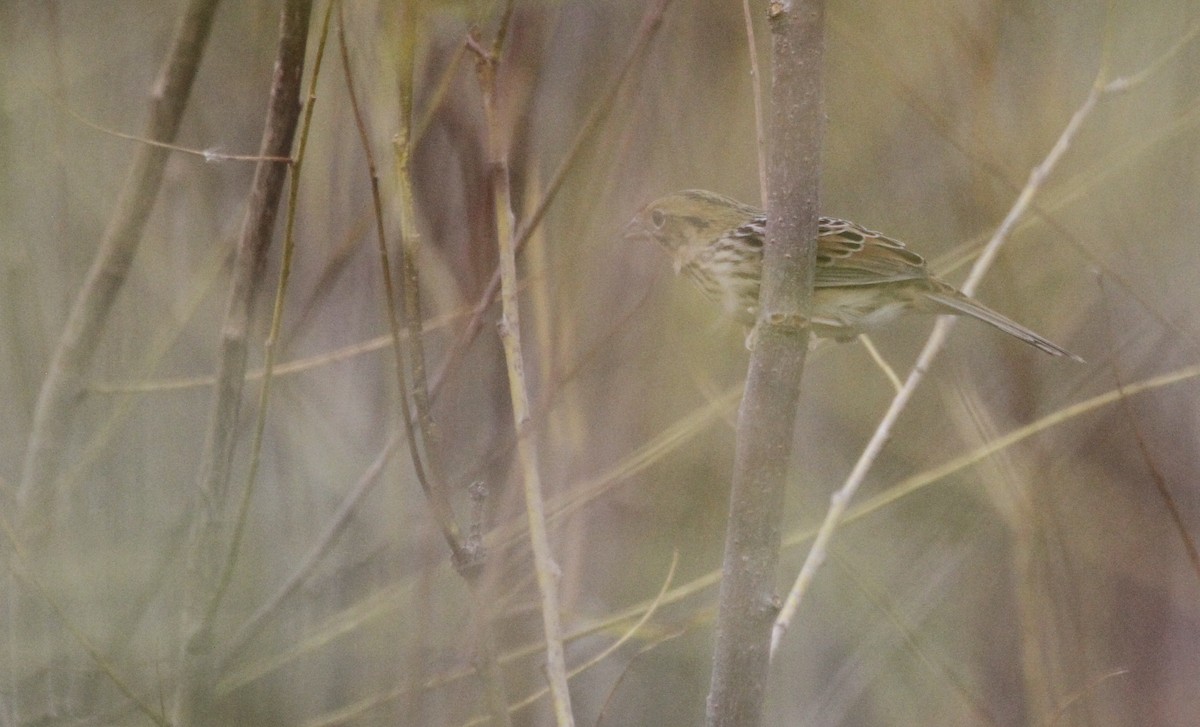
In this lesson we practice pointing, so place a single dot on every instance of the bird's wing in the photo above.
(754, 231)
(848, 254)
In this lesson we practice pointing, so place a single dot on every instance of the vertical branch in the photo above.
(747, 603)
(431, 485)
(510, 335)
(62, 387)
(196, 677)
(467, 554)
(439, 502)
(651, 22)
(760, 135)
(933, 346)
(435, 487)
(270, 346)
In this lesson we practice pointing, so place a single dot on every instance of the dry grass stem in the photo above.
(841, 499)
(210, 553)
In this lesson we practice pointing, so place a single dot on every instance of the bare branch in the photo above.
(598, 113)
(747, 604)
(61, 390)
(205, 562)
(841, 499)
(546, 569)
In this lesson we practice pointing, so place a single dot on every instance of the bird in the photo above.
(863, 279)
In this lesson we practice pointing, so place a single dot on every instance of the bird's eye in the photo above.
(658, 218)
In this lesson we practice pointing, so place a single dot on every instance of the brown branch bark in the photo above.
(197, 678)
(748, 603)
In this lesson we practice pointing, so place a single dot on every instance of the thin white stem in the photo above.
(883, 432)
(760, 134)
(548, 574)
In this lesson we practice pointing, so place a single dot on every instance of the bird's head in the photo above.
(687, 219)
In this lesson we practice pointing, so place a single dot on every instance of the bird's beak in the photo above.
(636, 229)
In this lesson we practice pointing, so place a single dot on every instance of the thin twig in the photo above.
(598, 113)
(270, 346)
(1064, 707)
(841, 499)
(296, 366)
(911, 97)
(195, 679)
(883, 500)
(1124, 83)
(697, 585)
(547, 570)
(667, 441)
(760, 134)
(627, 670)
(436, 485)
(1161, 485)
(322, 546)
(881, 362)
(919, 481)
(208, 155)
(439, 502)
(467, 555)
(61, 389)
(650, 610)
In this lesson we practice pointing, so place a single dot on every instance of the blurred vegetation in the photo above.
(1048, 583)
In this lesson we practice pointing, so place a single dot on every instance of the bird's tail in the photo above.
(953, 302)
